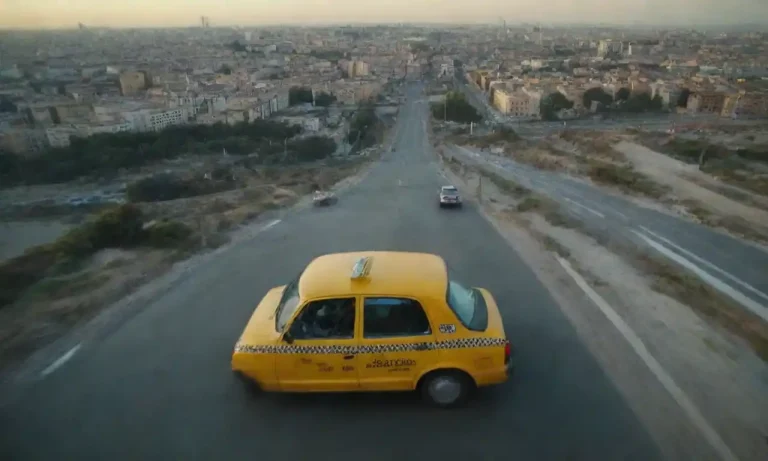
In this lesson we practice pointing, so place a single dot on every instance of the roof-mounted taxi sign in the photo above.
(362, 267)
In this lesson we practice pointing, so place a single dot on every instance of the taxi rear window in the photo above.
(468, 304)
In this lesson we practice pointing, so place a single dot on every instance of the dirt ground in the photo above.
(699, 190)
(717, 369)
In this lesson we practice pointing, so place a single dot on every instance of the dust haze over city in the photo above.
(411, 230)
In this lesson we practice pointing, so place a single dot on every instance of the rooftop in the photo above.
(391, 273)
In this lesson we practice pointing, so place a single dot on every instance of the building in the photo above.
(606, 48)
(519, 103)
(156, 120)
(357, 69)
(23, 141)
(133, 82)
(311, 124)
(60, 136)
(706, 102)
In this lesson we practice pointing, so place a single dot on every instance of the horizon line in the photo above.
(390, 24)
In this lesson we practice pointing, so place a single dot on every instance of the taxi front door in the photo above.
(317, 360)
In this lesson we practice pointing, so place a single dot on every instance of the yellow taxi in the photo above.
(376, 321)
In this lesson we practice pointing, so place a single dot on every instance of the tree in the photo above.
(623, 94)
(312, 148)
(299, 95)
(225, 69)
(324, 99)
(598, 95)
(456, 108)
(106, 153)
(552, 104)
(237, 46)
(682, 99)
(642, 102)
(6, 105)
(363, 121)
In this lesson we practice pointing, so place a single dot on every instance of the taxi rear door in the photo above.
(396, 343)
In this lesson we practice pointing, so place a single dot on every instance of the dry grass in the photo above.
(625, 178)
(731, 223)
(688, 289)
(676, 282)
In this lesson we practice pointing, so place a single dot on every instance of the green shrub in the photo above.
(168, 234)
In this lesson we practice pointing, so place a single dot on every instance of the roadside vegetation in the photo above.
(106, 155)
(455, 108)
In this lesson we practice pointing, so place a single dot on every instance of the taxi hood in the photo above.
(260, 329)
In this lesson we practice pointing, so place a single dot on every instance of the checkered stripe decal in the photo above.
(464, 343)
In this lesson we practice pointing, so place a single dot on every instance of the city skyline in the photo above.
(55, 14)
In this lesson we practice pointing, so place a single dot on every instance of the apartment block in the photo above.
(133, 82)
(521, 103)
(357, 69)
(706, 102)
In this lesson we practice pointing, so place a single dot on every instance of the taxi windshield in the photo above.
(288, 305)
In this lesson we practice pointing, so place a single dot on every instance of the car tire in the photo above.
(446, 388)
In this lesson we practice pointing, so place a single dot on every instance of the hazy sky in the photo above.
(67, 13)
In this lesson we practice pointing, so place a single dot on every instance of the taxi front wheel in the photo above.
(446, 389)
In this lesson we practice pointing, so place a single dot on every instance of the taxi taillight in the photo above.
(507, 352)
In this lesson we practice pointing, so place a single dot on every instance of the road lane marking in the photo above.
(270, 225)
(707, 263)
(687, 405)
(711, 280)
(60, 361)
(594, 212)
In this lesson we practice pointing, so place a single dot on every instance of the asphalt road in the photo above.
(159, 387)
(736, 267)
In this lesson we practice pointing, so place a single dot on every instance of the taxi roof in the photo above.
(390, 273)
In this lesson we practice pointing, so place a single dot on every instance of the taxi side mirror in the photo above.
(287, 337)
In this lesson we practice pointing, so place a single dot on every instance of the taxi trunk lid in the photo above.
(495, 322)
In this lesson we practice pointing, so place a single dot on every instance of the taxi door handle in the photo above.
(349, 357)
(421, 347)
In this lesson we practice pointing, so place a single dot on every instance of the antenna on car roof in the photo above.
(362, 267)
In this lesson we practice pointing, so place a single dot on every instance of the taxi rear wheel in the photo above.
(446, 389)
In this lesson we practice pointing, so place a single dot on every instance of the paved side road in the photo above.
(160, 388)
(733, 266)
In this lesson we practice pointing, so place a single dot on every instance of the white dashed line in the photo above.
(270, 225)
(688, 407)
(708, 278)
(61, 361)
(596, 213)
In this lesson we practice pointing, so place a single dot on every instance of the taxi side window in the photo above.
(393, 317)
(325, 319)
